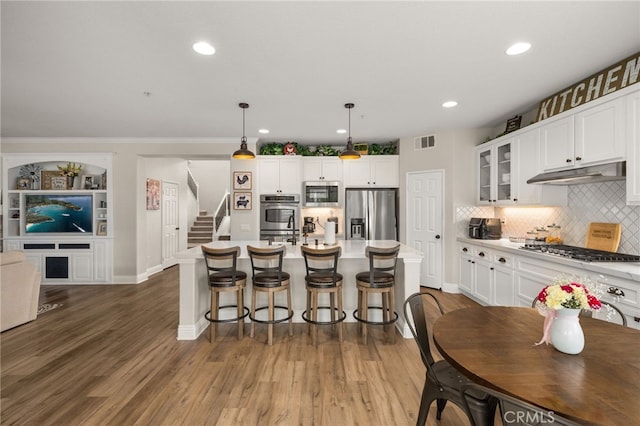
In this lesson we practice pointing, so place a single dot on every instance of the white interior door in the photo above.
(170, 223)
(425, 223)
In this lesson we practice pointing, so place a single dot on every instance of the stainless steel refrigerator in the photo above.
(371, 214)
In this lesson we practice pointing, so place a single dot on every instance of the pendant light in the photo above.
(243, 153)
(349, 153)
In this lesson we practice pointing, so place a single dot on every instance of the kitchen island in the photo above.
(194, 289)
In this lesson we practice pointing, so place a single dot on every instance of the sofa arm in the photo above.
(19, 294)
(11, 257)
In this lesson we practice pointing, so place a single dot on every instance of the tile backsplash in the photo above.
(594, 202)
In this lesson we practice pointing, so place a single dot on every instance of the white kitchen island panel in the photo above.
(195, 294)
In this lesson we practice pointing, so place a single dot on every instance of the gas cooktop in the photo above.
(581, 253)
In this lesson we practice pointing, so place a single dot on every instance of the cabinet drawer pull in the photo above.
(568, 160)
(615, 291)
(481, 254)
(464, 249)
(636, 319)
(502, 260)
(578, 158)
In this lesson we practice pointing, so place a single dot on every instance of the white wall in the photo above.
(212, 178)
(131, 257)
(453, 154)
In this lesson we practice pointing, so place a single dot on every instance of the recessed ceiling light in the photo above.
(449, 104)
(263, 131)
(518, 48)
(204, 48)
(341, 131)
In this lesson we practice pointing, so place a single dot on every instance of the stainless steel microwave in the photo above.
(322, 194)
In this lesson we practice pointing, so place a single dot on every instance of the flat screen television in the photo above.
(58, 213)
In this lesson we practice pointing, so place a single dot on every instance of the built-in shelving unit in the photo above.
(63, 225)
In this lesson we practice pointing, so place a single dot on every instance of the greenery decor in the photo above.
(276, 148)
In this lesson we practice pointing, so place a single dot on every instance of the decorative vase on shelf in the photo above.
(566, 333)
(70, 181)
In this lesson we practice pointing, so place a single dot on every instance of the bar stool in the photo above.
(224, 277)
(268, 278)
(379, 279)
(323, 278)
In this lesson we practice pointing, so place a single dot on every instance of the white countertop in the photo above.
(351, 249)
(626, 270)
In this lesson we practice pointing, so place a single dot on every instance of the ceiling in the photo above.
(127, 69)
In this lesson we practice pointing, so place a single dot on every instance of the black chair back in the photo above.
(222, 262)
(321, 265)
(266, 263)
(382, 263)
(417, 322)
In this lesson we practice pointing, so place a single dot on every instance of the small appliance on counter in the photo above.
(485, 228)
(309, 224)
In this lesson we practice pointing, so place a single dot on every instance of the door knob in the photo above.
(438, 237)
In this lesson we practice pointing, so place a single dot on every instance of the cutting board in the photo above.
(603, 236)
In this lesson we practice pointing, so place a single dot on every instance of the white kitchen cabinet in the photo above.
(280, 175)
(633, 148)
(486, 275)
(594, 135)
(557, 144)
(525, 160)
(372, 171)
(466, 269)
(494, 173)
(322, 168)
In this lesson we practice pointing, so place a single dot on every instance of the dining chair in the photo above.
(513, 411)
(322, 277)
(609, 312)
(442, 382)
(223, 276)
(379, 279)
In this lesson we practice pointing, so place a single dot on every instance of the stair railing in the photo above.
(223, 210)
(192, 184)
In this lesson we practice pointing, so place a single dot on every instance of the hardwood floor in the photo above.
(109, 355)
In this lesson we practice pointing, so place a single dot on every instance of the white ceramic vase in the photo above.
(566, 333)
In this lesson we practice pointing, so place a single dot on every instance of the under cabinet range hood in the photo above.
(600, 173)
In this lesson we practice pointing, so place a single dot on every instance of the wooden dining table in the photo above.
(495, 347)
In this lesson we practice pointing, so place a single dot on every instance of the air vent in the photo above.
(424, 142)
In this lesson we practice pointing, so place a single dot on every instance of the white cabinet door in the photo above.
(483, 278)
(466, 273)
(319, 168)
(280, 175)
(557, 144)
(81, 267)
(526, 162)
(312, 168)
(102, 261)
(503, 175)
(290, 175)
(269, 178)
(485, 176)
(600, 133)
(385, 171)
(633, 148)
(503, 290)
(372, 170)
(357, 173)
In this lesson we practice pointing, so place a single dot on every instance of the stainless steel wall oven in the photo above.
(279, 216)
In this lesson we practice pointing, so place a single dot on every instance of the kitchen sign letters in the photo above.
(618, 76)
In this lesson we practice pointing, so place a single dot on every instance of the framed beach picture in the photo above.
(153, 194)
(242, 201)
(242, 180)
